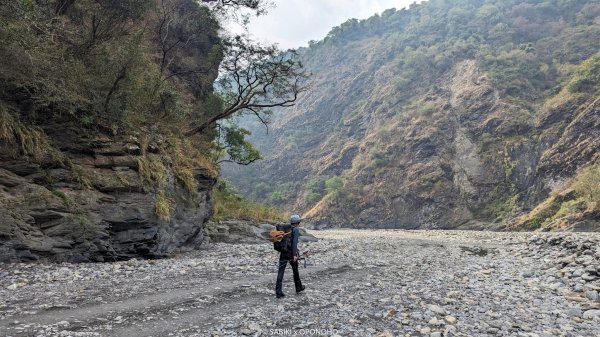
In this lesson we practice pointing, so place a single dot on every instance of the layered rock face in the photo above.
(97, 208)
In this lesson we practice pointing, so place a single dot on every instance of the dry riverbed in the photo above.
(359, 283)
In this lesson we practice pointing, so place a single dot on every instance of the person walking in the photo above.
(290, 255)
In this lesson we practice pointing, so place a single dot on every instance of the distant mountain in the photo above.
(448, 114)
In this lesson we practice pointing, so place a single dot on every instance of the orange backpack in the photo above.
(281, 238)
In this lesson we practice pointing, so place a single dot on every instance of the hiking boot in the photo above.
(280, 295)
(300, 290)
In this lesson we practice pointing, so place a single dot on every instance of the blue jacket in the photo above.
(295, 236)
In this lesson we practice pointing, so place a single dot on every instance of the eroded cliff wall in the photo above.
(97, 208)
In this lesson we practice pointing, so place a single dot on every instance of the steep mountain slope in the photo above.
(449, 113)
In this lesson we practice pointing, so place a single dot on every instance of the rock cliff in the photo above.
(96, 208)
(95, 99)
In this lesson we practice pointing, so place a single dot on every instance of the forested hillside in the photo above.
(108, 122)
(445, 114)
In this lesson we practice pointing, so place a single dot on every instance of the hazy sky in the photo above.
(292, 23)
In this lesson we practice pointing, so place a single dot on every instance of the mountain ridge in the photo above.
(479, 121)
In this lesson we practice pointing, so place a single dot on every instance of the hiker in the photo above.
(289, 254)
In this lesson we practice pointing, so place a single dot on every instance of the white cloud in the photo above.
(292, 23)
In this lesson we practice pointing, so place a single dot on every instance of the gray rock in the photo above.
(591, 314)
(113, 219)
(451, 319)
(588, 277)
(592, 295)
(436, 309)
(307, 239)
(575, 312)
(266, 227)
(578, 273)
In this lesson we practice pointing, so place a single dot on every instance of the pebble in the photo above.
(379, 283)
(591, 314)
(575, 312)
(451, 319)
(588, 277)
(592, 295)
(437, 309)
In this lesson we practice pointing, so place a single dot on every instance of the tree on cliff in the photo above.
(231, 7)
(121, 65)
(254, 79)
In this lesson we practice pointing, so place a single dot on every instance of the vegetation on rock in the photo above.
(230, 205)
(438, 115)
(110, 111)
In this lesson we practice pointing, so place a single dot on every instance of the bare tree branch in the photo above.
(255, 78)
(233, 7)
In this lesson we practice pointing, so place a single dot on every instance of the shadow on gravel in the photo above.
(338, 270)
(479, 251)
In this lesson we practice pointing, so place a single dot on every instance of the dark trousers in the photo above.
(282, 264)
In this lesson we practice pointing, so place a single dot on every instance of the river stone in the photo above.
(575, 312)
(437, 309)
(592, 295)
(591, 314)
(588, 277)
(307, 239)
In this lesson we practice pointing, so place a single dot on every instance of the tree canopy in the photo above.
(138, 66)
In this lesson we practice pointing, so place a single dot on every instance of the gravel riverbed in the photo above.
(358, 283)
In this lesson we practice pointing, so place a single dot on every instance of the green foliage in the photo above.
(427, 108)
(137, 67)
(281, 193)
(534, 223)
(188, 156)
(316, 188)
(509, 168)
(234, 146)
(378, 157)
(581, 194)
(587, 77)
(334, 186)
(516, 72)
(432, 179)
(568, 207)
(79, 61)
(587, 184)
(229, 204)
(501, 201)
(521, 43)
